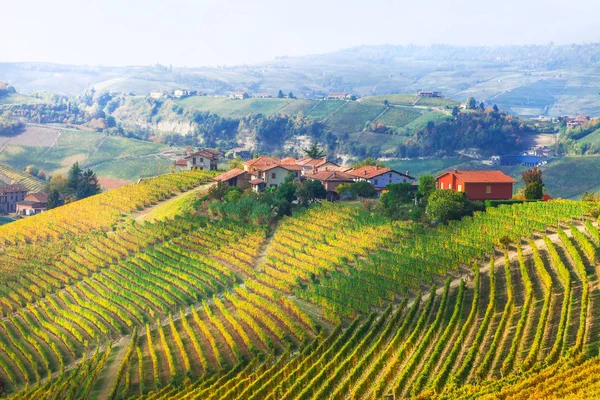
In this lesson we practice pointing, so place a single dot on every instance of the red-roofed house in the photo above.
(33, 203)
(10, 195)
(478, 185)
(235, 177)
(331, 180)
(202, 159)
(380, 177)
(311, 165)
(267, 171)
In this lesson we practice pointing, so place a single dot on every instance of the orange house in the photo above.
(478, 185)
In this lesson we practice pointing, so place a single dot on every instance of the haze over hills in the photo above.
(551, 80)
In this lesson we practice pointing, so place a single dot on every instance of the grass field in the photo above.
(5, 220)
(405, 99)
(593, 138)
(225, 107)
(323, 108)
(398, 116)
(353, 117)
(428, 166)
(133, 168)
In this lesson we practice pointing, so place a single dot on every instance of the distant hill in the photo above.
(524, 80)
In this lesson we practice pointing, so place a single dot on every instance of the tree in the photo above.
(471, 103)
(74, 177)
(32, 170)
(314, 151)
(291, 95)
(280, 94)
(397, 195)
(58, 183)
(496, 109)
(309, 191)
(236, 163)
(445, 205)
(534, 185)
(455, 111)
(88, 185)
(217, 192)
(481, 106)
(287, 190)
(367, 162)
(426, 187)
(363, 189)
(386, 103)
(53, 199)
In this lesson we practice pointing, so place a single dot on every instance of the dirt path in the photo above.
(110, 372)
(141, 216)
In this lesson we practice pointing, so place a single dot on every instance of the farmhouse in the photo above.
(269, 172)
(235, 177)
(340, 96)
(311, 165)
(204, 159)
(157, 94)
(10, 195)
(33, 203)
(238, 95)
(262, 95)
(380, 177)
(331, 180)
(425, 93)
(478, 185)
(179, 93)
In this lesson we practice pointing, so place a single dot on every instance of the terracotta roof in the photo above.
(229, 175)
(371, 171)
(288, 160)
(182, 162)
(41, 197)
(256, 181)
(202, 153)
(334, 168)
(265, 163)
(481, 176)
(313, 162)
(262, 160)
(12, 188)
(331, 176)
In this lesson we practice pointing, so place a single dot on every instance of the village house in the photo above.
(235, 177)
(478, 185)
(238, 95)
(380, 177)
(331, 180)
(574, 122)
(262, 95)
(10, 195)
(179, 93)
(33, 203)
(340, 96)
(426, 93)
(157, 94)
(311, 165)
(269, 172)
(204, 159)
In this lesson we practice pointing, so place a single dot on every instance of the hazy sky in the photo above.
(211, 32)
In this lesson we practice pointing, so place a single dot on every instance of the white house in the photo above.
(203, 159)
(269, 172)
(157, 94)
(380, 177)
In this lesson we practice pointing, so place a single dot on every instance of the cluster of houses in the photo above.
(177, 94)
(262, 172)
(427, 93)
(16, 199)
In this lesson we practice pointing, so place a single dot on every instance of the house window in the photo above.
(194, 160)
(296, 174)
(273, 175)
(488, 189)
(376, 181)
(449, 186)
(390, 176)
(201, 159)
(441, 185)
(460, 188)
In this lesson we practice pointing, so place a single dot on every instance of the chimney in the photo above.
(455, 171)
(407, 174)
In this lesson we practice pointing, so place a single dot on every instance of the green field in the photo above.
(405, 99)
(593, 138)
(569, 177)
(398, 116)
(5, 220)
(353, 117)
(225, 107)
(427, 166)
(110, 157)
(323, 108)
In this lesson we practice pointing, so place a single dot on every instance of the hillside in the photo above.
(531, 80)
(332, 302)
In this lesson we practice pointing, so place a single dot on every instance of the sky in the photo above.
(188, 33)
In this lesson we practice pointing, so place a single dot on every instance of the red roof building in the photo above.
(478, 185)
(235, 177)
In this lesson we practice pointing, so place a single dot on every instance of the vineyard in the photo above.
(334, 302)
(13, 175)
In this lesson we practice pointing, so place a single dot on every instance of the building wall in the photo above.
(498, 191)
(8, 201)
(449, 181)
(381, 181)
(201, 163)
(280, 175)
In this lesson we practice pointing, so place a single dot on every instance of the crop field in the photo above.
(240, 108)
(110, 156)
(13, 175)
(398, 116)
(569, 177)
(405, 99)
(336, 302)
(323, 108)
(353, 117)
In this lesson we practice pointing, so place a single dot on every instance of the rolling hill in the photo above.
(332, 302)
